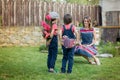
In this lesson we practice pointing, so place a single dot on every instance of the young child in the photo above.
(52, 18)
(69, 30)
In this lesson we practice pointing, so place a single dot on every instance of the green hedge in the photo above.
(108, 47)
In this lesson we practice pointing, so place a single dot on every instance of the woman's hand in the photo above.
(77, 43)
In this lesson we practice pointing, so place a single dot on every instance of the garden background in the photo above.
(22, 48)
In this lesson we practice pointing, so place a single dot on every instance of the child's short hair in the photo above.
(67, 18)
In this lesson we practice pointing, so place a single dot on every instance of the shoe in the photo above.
(98, 61)
(92, 63)
(69, 72)
(51, 70)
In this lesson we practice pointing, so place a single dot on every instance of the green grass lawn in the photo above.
(27, 63)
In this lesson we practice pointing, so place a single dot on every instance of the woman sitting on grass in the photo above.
(88, 37)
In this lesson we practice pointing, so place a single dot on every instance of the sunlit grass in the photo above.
(27, 63)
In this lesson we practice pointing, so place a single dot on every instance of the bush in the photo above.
(108, 47)
(43, 47)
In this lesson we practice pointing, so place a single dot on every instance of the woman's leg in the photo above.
(86, 58)
(86, 55)
(96, 60)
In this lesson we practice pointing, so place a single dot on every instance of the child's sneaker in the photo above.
(51, 70)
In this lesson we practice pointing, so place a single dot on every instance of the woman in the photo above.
(88, 38)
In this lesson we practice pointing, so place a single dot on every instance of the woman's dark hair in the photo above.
(67, 19)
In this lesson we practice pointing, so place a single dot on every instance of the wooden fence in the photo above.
(31, 12)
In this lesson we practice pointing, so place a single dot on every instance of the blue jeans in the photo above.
(67, 57)
(52, 52)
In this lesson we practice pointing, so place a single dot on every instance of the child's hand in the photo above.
(48, 42)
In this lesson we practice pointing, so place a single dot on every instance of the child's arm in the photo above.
(52, 33)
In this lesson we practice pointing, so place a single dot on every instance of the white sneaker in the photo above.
(93, 63)
(98, 61)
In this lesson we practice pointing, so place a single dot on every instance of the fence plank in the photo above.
(12, 14)
(0, 7)
(14, 11)
(3, 8)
